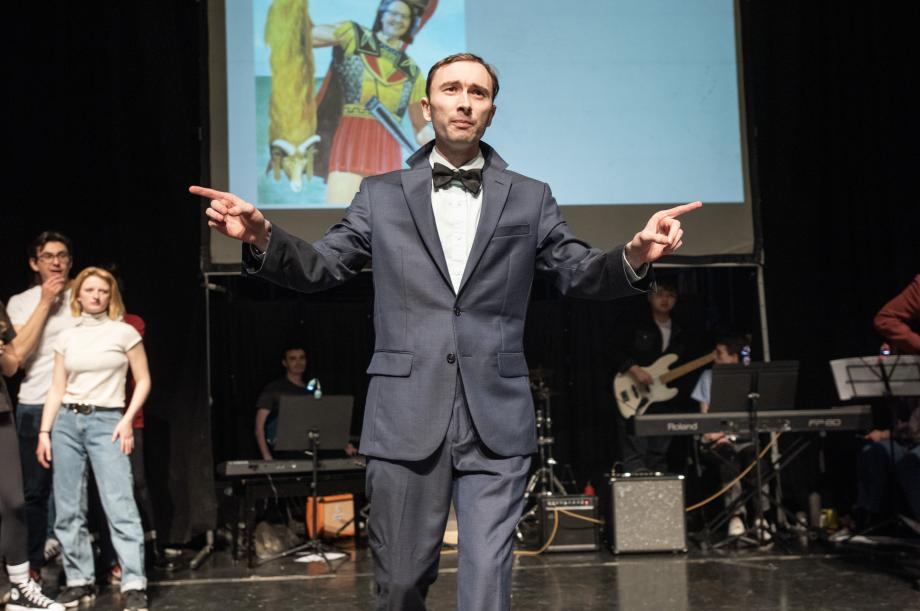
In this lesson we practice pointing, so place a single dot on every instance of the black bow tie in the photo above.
(442, 176)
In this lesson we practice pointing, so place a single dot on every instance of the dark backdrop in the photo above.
(106, 129)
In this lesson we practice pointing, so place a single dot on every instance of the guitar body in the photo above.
(634, 398)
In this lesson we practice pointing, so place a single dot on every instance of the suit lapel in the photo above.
(417, 189)
(496, 185)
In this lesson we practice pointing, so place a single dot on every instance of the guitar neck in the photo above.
(686, 368)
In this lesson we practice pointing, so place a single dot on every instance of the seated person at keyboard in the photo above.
(294, 361)
(729, 452)
(88, 381)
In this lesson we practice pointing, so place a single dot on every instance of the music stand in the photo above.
(302, 421)
(874, 377)
(752, 388)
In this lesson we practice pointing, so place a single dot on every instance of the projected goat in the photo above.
(292, 111)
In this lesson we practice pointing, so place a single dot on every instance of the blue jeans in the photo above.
(36, 482)
(74, 439)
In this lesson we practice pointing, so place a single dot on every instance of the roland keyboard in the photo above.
(244, 468)
(848, 418)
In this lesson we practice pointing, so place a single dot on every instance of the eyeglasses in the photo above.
(48, 257)
(402, 16)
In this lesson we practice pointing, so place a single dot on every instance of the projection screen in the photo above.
(622, 106)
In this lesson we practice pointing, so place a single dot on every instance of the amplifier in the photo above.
(647, 514)
(578, 523)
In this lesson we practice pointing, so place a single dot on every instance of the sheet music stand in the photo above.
(302, 421)
(752, 388)
(298, 414)
(884, 377)
(873, 377)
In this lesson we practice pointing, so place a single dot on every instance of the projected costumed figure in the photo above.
(368, 64)
(292, 110)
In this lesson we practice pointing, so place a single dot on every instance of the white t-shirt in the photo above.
(38, 367)
(96, 360)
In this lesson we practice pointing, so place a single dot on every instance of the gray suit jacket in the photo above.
(424, 331)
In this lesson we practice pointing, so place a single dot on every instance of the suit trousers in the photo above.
(410, 502)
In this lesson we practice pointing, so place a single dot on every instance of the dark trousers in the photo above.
(410, 501)
(876, 478)
(36, 482)
(12, 502)
(645, 452)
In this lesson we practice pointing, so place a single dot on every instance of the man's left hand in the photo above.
(661, 236)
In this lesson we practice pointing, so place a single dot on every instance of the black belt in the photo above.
(87, 409)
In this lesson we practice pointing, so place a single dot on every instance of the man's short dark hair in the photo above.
(49, 236)
(665, 286)
(734, 344)
(463, 57)
(290, 348)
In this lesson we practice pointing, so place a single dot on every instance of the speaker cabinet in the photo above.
(578, 527)
(647, 514)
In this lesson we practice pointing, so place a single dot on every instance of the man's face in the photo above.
(723, 356)
(460, 105)
(295, 362)
(662, 301)
(52, 259)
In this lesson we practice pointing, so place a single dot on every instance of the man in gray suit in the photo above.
(456, 240)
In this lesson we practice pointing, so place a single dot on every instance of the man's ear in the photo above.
(491, 115)
(33, 263)
(426, 108)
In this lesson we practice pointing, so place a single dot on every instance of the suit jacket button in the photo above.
(456, 311)
(451, 358)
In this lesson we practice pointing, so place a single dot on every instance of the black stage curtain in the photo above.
(835, 141)
(837, 154)
(103, 140)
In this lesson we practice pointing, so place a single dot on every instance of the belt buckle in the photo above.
(83, 408)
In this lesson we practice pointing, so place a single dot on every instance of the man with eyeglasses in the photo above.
(39, 314)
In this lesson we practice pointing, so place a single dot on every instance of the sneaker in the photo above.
(136, 600)
(767, 529)
(75, 596)
(28, 595)
(52, 548)
(736, 527)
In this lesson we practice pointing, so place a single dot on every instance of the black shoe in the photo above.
(27, 596)
(136, 600)
(75, 596)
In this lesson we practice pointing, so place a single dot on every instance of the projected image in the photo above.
(337, 88)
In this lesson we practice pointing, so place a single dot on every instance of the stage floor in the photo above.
(559, 581)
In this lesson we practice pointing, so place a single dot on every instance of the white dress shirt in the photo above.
(456, 214)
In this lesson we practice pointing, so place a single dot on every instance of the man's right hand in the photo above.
(235, 217)
(640, 375)
(52, 287)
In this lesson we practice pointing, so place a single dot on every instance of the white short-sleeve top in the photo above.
(95, 355)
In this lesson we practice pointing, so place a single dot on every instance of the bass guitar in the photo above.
(634, 398)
